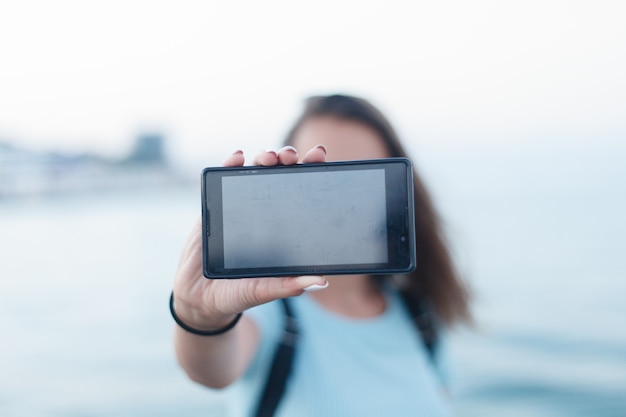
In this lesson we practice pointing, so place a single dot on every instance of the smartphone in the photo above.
(334, 218)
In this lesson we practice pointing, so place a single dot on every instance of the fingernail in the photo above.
(316, 287)
(238, 152)
(288, 148)
(271, 151)
(322, 147)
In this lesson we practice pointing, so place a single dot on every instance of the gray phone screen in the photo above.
(314, 218)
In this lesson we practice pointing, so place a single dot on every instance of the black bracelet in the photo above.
(201, 332)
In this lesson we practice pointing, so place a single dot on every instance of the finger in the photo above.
(266, 159)
(235, 160)
(270, 289)
(226, 297)
(306, 283)
(288, 155)
(317, 154)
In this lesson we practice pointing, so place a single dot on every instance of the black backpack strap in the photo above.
(424, 319)
(281, 365)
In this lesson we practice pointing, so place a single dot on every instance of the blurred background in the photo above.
(514, 113)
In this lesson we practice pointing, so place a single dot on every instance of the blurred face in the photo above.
(344, 139)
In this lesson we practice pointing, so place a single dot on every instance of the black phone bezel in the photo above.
(400, 220)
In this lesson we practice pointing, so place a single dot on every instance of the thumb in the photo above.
(311, 282)
(270, 289)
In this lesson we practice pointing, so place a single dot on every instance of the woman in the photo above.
(360, 352)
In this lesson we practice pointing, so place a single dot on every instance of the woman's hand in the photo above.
(208, 304)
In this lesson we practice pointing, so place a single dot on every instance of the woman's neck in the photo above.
(355, 296)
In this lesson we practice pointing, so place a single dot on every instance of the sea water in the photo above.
(85, 280)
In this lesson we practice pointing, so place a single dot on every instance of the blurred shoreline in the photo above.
(25, 173)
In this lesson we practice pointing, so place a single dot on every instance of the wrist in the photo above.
(196, 323)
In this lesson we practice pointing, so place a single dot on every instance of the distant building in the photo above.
(149, 149)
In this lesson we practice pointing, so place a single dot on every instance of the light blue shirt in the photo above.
(345, 367)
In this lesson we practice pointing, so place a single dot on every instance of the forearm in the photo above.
(217, 361)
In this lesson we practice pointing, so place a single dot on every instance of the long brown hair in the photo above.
(435, 278)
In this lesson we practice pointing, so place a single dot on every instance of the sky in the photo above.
(215, 76)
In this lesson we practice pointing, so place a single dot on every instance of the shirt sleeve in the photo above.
(243, 395)
(269, 321)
